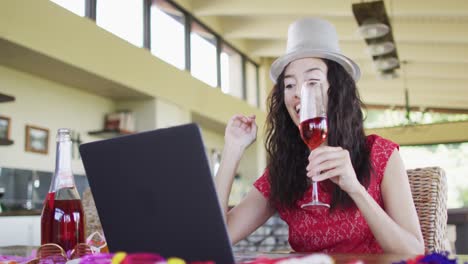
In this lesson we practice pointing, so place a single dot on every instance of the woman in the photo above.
(363, 178)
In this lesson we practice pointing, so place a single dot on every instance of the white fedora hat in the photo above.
(313, 38)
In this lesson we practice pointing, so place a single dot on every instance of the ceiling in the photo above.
(430, 35)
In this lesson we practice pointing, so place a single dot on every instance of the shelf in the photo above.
(6, 98)
(107, 133)
(5, 142)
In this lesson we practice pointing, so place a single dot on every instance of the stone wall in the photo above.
(272, 236)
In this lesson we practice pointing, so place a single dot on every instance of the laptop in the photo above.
(154, 193)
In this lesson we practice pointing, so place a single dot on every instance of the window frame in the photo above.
(90, 12)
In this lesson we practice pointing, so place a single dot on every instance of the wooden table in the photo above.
(339, 258)
(352, 258)
(380, 258)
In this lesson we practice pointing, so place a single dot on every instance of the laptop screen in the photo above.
(154, 193)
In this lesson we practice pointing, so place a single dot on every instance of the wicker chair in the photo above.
(429, 188)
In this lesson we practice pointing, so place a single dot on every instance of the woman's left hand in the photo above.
(333, 163)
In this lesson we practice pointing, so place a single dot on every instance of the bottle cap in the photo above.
(63, 134)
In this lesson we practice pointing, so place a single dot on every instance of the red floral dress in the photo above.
(341, 231)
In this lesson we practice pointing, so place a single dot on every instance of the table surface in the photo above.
(352, 258)
(339, 258)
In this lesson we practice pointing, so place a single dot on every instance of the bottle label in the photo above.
(64, 180)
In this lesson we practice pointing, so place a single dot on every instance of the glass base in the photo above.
(314, 205)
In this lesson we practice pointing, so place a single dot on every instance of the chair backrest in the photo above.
(429, 189)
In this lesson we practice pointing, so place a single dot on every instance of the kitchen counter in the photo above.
(20, 229)
(21, 213)
(23, 251)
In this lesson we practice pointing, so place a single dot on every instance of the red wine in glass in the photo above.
(314, 131)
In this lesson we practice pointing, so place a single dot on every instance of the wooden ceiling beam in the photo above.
(325, 7)
(421, 52)
(404, 30)
(415, 108)
(422, 70)
(453, 132)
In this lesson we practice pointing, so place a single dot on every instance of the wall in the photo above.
(250, 166)
(52, 105)
(169, 114)
(49, 105)
(77, 44)
(50, 43)
(143, 110)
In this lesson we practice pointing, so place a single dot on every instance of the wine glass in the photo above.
(313, 127)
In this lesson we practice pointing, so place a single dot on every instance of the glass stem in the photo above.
(314, 188)
(314, 192)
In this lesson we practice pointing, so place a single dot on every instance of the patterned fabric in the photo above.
(340, 231)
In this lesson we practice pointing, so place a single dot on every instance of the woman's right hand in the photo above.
(241, 131)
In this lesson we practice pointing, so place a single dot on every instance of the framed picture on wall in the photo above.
(4, 127)
(37, 139)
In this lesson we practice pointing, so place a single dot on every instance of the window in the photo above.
(252, 88)
(123, 18)
(453, 158)
(203, 54)
(168, 33)
(75, 6)
(231, 71)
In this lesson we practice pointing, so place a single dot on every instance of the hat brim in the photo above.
(279, 64)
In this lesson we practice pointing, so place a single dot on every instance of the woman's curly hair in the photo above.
(287, 153)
